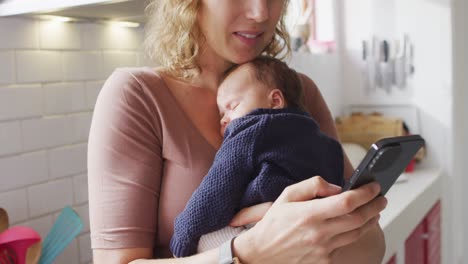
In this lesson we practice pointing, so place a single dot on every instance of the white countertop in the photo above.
(408, 203)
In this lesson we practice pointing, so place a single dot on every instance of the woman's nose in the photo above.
(257, 10)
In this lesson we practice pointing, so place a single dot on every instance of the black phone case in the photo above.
(385, 162)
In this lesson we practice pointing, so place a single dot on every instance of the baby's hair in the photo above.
(275, 74)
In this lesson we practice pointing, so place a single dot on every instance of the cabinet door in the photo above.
(424, 244)
(434, 235)
(415, 250)
(392, 260)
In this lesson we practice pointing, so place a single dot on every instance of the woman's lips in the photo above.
(249, 38)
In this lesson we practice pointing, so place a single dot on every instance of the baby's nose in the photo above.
(224, 122)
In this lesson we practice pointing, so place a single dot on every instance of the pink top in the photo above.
(145, 158)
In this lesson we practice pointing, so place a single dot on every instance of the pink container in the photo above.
(14, 244)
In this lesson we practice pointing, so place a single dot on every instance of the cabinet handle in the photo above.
(425, 236)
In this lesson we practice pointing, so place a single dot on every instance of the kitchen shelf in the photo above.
(128, 10)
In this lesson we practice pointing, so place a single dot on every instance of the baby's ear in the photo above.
(277, 99)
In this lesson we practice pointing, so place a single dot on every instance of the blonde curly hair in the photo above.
(172, 37)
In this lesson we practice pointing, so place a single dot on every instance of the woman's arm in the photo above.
(300, 229)
(296, 229)
(124, 172)
(144, 255)
(352, 254)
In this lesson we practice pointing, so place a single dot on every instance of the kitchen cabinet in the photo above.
(423, 245)
(128, 10)
(415, 246)
(392, 260)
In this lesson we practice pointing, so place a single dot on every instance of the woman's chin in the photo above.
(240, 59)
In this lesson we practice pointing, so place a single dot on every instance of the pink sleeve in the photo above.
(124, 166)
(318, 109)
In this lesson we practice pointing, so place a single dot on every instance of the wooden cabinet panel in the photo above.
(392, 260)
(415, 245)
(433, 222)
(423, 246)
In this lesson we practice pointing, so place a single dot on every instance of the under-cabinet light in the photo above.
(57, 18)
(126, 24)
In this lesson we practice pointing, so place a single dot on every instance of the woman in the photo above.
(155, 132)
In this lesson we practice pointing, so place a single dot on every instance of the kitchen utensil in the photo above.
(411, 60)
(386, 72)
(14, 243)
(377, 58)
(3, 220)
(34, 253)
(67, 226)
(365, 50)
(367, 68)
(400, 67)
(7, 256)
(409, 54)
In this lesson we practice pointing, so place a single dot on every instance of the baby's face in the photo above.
(240, 94)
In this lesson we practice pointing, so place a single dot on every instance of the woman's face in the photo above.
(238, 30)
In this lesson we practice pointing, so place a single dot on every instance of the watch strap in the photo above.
(225, 253)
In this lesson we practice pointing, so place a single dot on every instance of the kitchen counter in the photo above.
(408, 202)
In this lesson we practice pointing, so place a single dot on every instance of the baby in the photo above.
(269, 144)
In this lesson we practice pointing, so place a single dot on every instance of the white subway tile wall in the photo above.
(64, 98)
(42, 224)
(10, 137)
(50, 76)
(21, 101)
(80, 66)
(92, 91)
(38, 66)
(80, 189)
(22, 34)
(7, 67)
(54, 35)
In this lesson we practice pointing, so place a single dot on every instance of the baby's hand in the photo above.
(250, 215)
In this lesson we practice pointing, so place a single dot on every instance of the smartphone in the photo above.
(385, 162)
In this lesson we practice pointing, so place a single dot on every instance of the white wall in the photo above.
(428, 24)
(325, 71)
(460, 127)
(50, 75)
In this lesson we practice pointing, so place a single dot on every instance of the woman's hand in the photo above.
(300, 229)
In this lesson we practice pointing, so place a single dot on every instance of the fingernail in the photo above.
(376, 187)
